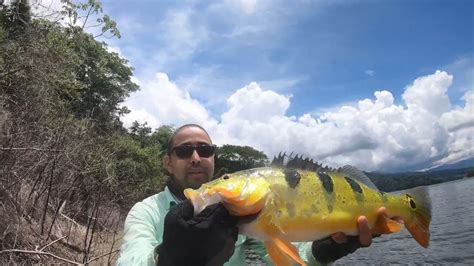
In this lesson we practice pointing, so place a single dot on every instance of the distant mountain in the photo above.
(468, 163)
(405, 180)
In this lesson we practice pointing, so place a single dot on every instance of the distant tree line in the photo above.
(405, 180)
(69, 169)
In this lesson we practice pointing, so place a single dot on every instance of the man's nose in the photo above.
(195, 159)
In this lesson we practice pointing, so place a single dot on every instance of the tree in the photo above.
(161, 135)
(232, 158)
(19, 15)
(63, 151)
(105, 78)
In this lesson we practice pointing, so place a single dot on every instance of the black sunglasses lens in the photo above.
(184, 151)
(205, 151)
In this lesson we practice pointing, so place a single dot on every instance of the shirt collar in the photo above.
(172, 199)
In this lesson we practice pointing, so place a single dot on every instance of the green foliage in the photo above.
(105, 78)
(136, 171)
(84, 11)
(470, 173)
(18, 16)
(161, 136)
(232, 158)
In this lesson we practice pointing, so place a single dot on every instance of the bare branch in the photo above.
(100, 256)
(9, 251)
(30, 149)
(87, 16)
(41, 249)
(93, 26)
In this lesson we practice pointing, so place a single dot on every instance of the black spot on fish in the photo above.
(328, 186)
(383, 196)
(226, 177)
(354, 185)
(326, 180)
(411, 201)
(292, 177)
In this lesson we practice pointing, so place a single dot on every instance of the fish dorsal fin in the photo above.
(358, 175)
(278, 161)
(299, 162)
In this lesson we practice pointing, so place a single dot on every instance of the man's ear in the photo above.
(167, 163)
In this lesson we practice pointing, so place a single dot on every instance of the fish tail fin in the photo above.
(282, 252)
(418, 223)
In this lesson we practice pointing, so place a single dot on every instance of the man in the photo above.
(163, 230)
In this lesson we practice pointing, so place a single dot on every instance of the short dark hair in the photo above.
(169, 148)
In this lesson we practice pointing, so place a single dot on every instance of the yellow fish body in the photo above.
(293, 205)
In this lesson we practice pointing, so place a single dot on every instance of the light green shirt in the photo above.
(144, 231)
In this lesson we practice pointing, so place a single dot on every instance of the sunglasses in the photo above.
(185, 151)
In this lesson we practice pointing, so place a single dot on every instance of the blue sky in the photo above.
(303, 75)
(335, 50)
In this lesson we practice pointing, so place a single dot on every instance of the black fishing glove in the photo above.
(327, 250)
(205, 239)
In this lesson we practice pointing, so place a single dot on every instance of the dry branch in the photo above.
(41, 249)
(39, 253)
(29, 149)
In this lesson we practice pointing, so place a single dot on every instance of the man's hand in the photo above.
(189, 239)
(339, 245)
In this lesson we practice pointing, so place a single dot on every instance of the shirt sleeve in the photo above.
(143, 231)
(306, 253)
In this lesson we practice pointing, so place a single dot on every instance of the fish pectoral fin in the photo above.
(385, 225)
(276, 255)
(283, 252)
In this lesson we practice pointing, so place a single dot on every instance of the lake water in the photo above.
(452, 233)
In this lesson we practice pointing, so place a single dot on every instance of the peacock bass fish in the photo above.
(301, 205)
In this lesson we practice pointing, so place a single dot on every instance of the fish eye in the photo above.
(225, 177)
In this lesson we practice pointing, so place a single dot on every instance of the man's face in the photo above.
(190, 172)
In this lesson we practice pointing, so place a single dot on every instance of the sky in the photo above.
(381, 85)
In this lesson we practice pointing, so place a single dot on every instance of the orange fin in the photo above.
(278, 258)
(287, 250)
(385, 225)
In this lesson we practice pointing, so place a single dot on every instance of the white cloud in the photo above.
(254, 104)
(369, 72)
(168, 104)
(248, 6)
(180, 36)
(48, 9)
(142, 116)
(460, 124)
(463, 70)
(429, 94)
(374, 134)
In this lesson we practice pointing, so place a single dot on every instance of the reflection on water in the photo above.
(452, 233)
